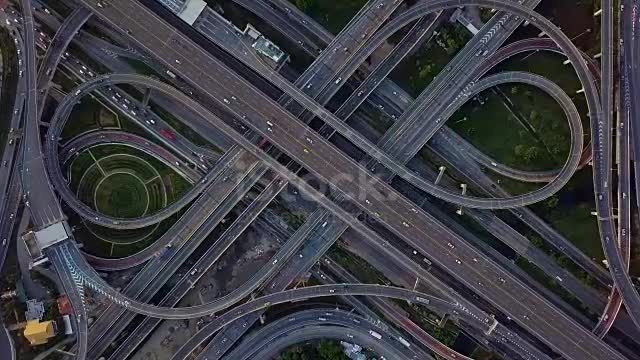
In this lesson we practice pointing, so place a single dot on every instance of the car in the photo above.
(451, 245)
(338, 80)
(4, 163)
(153, 122)
(166, 133)
(458, 262)
(274, 262)
(4, 241)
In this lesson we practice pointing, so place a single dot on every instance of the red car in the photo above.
(168, 134)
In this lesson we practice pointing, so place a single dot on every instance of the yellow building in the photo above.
(39, 333)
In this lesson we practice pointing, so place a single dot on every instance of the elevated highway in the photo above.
(102, 137)
(158, 26)
(456, 151)
(250, 147)
(57, 47)
(348, 322)
(44, 208)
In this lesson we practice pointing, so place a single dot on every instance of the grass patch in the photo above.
(122, 195)
(333, 15)
(551, 284)
(483, 354)
(359, 267)
(493, 129)
(121, 202)
(84, 117)
(571, 215)
(417, 71)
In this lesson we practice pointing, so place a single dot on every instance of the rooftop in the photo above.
(267, 48)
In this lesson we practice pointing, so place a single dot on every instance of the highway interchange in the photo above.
(338, 171)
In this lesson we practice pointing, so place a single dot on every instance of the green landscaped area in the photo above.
(571, 215)
(316, 350)
(121, 181)
(84, 117)
(333, 15)
(417, 71)
(122, 195)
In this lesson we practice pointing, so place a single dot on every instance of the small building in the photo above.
(37, 241)
(68, 329)
(39, 333)
(35, 310)
(187, 10)
(265, 47)
(64, 307)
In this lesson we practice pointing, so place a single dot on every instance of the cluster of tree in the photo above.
(295, 220)
(527, 153)
(562, 260)
(322, 350)
(452, 38)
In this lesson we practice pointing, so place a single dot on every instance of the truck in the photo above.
(68, 329)
(375, 334)
(403, 341)
(167, 134)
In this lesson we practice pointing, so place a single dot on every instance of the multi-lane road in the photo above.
(346, 178)
(184, 43)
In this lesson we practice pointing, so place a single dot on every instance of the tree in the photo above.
(551, 202)
(425, 71)
(331, 350)
(537, 242)
(302, 4)
(519, 150)
(531, 154)
(534, 115)
(514, 90)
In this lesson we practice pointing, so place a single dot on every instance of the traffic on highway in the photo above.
(279, 185)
